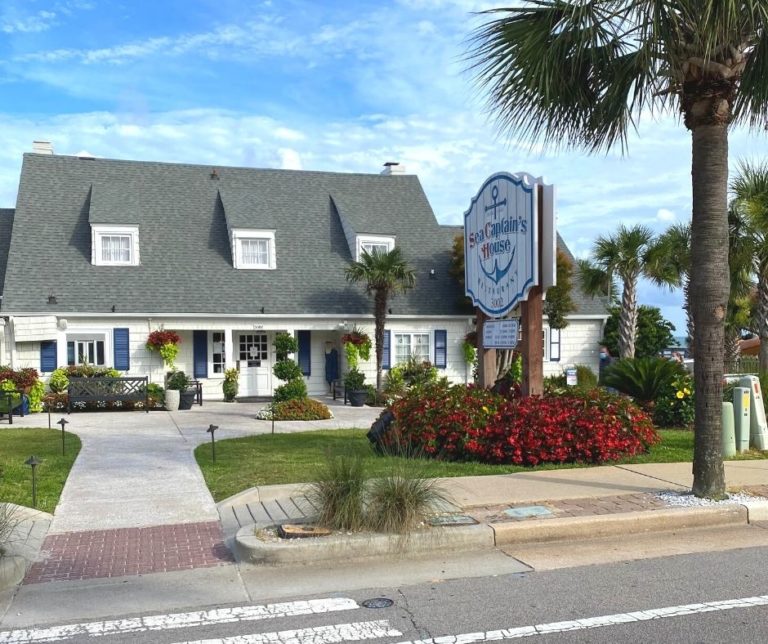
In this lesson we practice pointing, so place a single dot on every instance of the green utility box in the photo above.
(742, 417)
(729, 434)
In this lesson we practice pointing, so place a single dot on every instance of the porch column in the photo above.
(229, 350)
(61, 348)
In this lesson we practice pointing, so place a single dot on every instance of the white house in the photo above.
(98, 253)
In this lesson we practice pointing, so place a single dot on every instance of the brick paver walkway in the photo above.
(130, 551)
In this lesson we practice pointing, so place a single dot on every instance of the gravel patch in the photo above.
(688, 500)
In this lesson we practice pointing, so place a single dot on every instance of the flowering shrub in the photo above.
(23, 378)
(301, 409)
(468, 423)
(675, 405)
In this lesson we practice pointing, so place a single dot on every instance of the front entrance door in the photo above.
(255, 365)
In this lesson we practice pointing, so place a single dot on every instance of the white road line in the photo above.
(596, 622)
(318, 635)
(177, 620)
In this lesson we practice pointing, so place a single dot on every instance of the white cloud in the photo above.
(41, 21)
(665, 215)
(290, 159)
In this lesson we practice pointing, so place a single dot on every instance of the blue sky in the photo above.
(315, 85)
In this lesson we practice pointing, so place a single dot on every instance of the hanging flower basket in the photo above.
(357, 345)
(166, 343)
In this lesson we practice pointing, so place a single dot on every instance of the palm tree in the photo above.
(385, 274)
(623, 255)
(750, 190)
(669, 262)
(580, 73)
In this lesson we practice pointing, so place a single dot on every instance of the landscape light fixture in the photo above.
(33, 462)
(63, 422)
(211, 429)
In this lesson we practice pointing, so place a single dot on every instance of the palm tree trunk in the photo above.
(732, 350)
(628, 319)
(690, 326)
(709, 291)
(762, 317)
(380, 318)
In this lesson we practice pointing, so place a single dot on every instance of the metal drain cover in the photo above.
(377, 602)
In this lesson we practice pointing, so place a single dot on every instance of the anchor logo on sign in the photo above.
(496, 273)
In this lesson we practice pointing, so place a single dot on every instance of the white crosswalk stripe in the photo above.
(596, 622)
(319, 635)
(178, 620)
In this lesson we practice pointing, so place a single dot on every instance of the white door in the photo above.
(255, 365)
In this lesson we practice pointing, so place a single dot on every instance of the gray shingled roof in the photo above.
(6, 225)
(186, 263)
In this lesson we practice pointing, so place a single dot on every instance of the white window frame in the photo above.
(393, 357)
(94, 336)
(373, 240)
(212, 350)
(554, 340)
(100, 231)
(241, 235)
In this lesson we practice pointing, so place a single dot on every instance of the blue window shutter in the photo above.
(48, 356)
(385, 361)
(305, 344)
(120, 342)
(200, 354)
(441, 348)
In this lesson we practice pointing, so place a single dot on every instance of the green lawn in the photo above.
(16, 446)
(268, 459)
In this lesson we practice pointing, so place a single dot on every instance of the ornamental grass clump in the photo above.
(8, 523)
(400, 502)
(338, 492)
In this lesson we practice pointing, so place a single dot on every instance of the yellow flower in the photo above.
(687, 391)
(485, 409)
(680, 394)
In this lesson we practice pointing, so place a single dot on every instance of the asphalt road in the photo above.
(709, 597)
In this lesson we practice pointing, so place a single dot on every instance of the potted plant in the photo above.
(357, 346)
(174, 388)
(230, 385)
(166, 343)
(354, 385)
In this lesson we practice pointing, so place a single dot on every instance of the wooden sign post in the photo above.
(486, 358)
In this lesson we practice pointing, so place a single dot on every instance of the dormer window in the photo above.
(374, 244)
(114, 245)
(254, 249)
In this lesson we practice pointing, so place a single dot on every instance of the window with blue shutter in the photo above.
(120, 342)
(441, 348)
(48, 356)
(305, 344)
(200, 354)
(385, 361)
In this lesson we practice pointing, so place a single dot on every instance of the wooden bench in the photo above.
(104, 389)
(11, 401)
(339, 390)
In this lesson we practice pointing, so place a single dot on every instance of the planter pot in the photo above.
(172, 397)
(358, 397)
(186, 399)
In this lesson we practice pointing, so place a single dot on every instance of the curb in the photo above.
(12, 571)
(250, 549)
(609, 525)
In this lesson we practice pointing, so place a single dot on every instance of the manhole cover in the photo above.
(377, 602)
(528, 511)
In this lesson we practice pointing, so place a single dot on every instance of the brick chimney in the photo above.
(392, 168)
(42, 147)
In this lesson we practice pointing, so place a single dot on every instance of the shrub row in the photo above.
(468, 423)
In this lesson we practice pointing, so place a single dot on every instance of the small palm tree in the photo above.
(750, 190)
(669, 263)
(582, 73)
(623, 255)
(384, 274)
